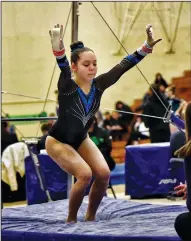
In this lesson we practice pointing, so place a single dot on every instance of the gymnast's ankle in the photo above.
(89, 217)
(71, 220)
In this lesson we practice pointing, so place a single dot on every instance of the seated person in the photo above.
(103, 141)
(183, 221)
(107, 120)
(126, 118)
(41, 143)
(117, 126)
(139, 132)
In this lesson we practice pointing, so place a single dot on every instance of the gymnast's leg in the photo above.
(69, 160)
(93, 157)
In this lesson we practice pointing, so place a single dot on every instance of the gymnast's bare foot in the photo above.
(89, 218)
(71, 220)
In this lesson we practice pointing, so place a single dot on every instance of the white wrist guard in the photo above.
(144, 49)
(58, 50)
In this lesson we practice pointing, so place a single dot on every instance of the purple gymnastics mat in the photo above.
(116, 220)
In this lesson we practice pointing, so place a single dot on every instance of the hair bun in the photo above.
(76, 45)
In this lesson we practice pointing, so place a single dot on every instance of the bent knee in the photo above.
(85, 177)
(103, 175)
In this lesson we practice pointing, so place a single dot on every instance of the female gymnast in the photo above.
(183, 221)
(79, 99)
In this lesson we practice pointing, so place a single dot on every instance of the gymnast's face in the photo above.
(86, 67)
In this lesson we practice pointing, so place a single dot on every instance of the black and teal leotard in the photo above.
(76, 109)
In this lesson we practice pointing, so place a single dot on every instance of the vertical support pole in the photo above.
(75, 14)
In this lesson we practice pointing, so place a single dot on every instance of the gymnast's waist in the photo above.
(67, 137)
(67, 133)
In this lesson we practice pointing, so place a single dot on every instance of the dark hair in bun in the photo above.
(76, 49)
(76, 45)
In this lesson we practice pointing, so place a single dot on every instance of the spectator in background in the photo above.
(159, 80)
(181, 109)
(7, 138)
(162, 89)
(11, 127)
(103, 141)
(170, 93)
(139, 132)
(159, 131)
(183, 221)
(117, 127)
(41, 143)
(178, 105)
(107, 120)
(126, 118)
(144, 100)
(51, 122)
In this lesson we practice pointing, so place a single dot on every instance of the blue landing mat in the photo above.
(116, 220)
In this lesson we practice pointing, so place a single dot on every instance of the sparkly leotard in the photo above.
(76, 109)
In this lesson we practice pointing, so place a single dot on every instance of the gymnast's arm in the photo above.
(111, 77)
(65, 74)
(106, 80)
(58, 48)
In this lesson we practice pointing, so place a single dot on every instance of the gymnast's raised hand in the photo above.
(56, 35)
(150, 38)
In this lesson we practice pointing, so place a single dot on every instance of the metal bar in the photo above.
(120, 111)
(29, 119)
(27, 96)
(75, 14)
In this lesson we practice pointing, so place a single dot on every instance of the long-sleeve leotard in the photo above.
(104, 80)
(76, 110)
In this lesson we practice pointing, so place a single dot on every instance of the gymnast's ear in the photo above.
(74, 67)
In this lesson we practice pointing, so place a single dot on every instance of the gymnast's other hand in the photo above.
(56, 35)
(181, 189)
(150, 38)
